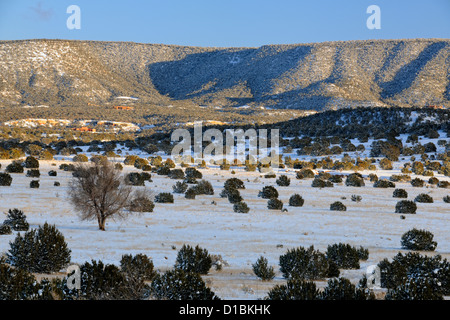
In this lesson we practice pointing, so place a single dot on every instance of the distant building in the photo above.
(123, 108)
(84, 129)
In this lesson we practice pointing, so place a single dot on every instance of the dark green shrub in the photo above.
(176, 174)
(446, 199)
(41, 250)
(305, 263)
(33, 173)
(383, 183)
(400, 193)
(405, 206)
(335, 178)
(416, 239)
(354, 180)
(423, 198)
(345, 256)
(180, 187)
(262, 269)
(343, 289)
(338, 206)
(31, 163)
(67, 167)
(294, 289)
(52, 173)
(233, 195)
(443, 184)
(234, 183)
(319, 183)
(5, 179)
(163, 171)
(356, 198)
(240, 207)
(164, 197)
(373, 177)
(404, 268)
(274, 204)
(204, 187)
(417, 182)
(190, 193)
(324, 175)
(34, 184)
(135, 179)
(192, 172)
(433, 181)
(141, 202)
(5, 229)
(268, 192)
(14, 167)
(296, 200)
(56, 184)
(180, 285)
(190, 180)
(146, 176)
(191, 259)
(17, 220)
(283, 181)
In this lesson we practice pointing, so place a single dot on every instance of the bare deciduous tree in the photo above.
(97, 191)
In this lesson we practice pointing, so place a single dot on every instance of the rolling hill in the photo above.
(319, 76)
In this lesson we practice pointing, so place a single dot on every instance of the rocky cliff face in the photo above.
(303, 76)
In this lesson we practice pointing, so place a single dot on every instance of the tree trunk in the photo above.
(101, 223)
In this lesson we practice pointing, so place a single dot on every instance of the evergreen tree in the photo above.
(191, 259)
(296, 200)
(342, 289)
(416, 239)
(306, 263)
(240, 207)
(5, 179)
(268, 192)
(17, 284)
(17, 220)
(274, 204)
(180, 187)
(181, 285)
(31, 163)
(283, 181)
(42, 250)
(294, 289)
(415, 288)
(262, 269)
(345, 256)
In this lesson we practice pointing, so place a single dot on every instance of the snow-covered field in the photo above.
(239, 238)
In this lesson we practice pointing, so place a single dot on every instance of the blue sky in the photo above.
(236, 23)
